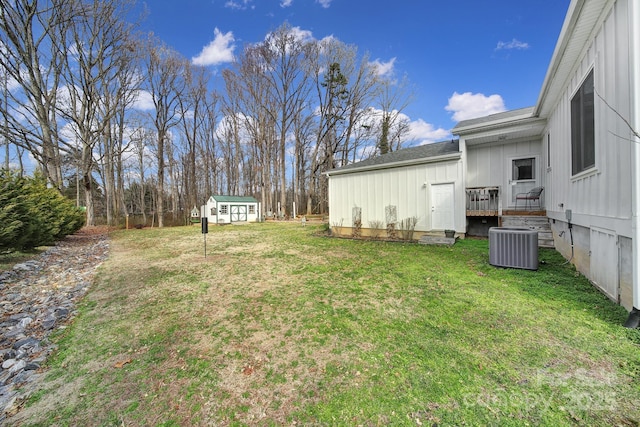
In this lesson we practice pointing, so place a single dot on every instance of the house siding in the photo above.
(403, 187)
(600, 197)
(606, 190)
(488, 164)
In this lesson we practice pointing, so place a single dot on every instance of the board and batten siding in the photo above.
(488, 165)
(408, 188)
(600, 196)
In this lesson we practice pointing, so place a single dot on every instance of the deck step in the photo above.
(537, 223)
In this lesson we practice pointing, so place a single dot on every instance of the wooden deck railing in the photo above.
(483, 201)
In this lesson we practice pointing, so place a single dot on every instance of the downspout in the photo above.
(462, 146)
(633, 321)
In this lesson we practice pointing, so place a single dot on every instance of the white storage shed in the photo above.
(229, 209)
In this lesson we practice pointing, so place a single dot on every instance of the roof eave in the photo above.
(583, 19)
(523, 120)
(445, 157)
(563, 40)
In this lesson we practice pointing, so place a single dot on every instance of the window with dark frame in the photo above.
(252, 209)
(583, 147)
(524, 168)
(224, 209)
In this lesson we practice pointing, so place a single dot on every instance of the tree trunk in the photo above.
(160, 183)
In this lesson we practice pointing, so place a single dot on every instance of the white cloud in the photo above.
(143, 101)
(513, 44)
(219, 51)
(239, 5)
(472, 105)
(286, 3)
(324, 3)
(301, 35)
(383, 69)
(425, 133)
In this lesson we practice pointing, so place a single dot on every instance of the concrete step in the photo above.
(526, 221)
(537, 223)
(437, 240)
(546, 244)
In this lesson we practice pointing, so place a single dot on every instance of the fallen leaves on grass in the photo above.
(119, 365)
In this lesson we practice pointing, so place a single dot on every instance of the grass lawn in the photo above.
(280, 326)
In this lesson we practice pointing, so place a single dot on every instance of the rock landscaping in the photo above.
(38, 297)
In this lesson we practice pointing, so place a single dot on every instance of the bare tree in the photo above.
(119, 97)
(208, 145)
(304, 134)
(141, 137)
(293, 108)
(32, 53)
(331, 89)
(193, 114)
(363, 87)
(165, 85)
(393, 98)
(251, 101)
(283, 53)
(99, 51)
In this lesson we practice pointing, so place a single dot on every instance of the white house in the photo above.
(230, 209)
(580, 134)
(577, 142)
(424, 182)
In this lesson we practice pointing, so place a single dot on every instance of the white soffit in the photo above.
(578, 30)
(529, 131)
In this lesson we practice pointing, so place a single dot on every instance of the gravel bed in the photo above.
(38, 297)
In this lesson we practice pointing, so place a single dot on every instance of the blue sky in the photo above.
(465, 57)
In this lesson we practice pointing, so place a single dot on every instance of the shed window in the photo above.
(252, 209)
(213, 211)
(224, 209)
(583, 150)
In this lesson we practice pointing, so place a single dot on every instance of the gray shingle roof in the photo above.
(406, 154)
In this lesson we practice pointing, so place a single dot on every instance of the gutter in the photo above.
(633, 321)
(452, 156)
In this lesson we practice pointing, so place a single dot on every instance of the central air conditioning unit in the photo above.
(513, 247)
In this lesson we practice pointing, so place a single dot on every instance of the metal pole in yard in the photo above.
(204, 222)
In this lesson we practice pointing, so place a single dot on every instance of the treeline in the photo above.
(125, 125)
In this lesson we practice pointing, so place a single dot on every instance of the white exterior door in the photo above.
(443, 207)
(523, 176)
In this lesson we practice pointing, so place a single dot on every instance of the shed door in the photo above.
(443, 207)
(238, 213)
(604, 261)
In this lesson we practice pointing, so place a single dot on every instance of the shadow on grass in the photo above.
(556, 282)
